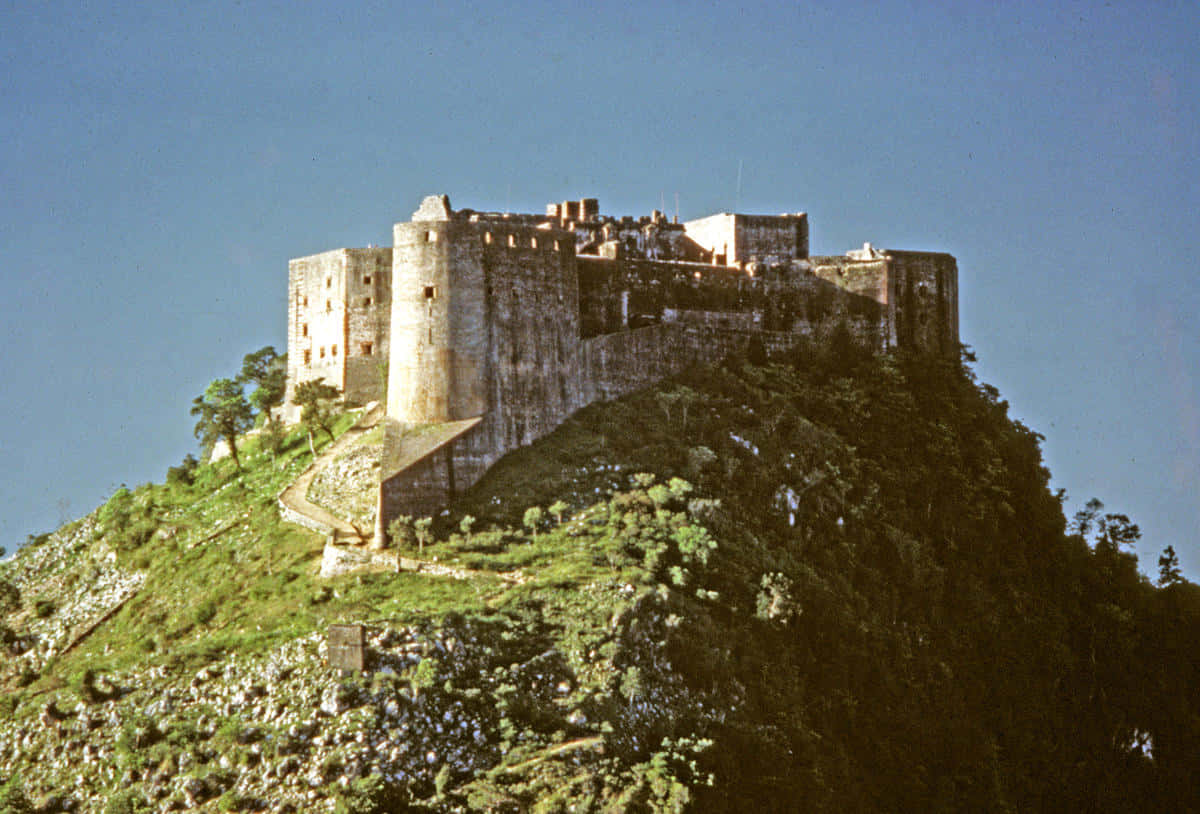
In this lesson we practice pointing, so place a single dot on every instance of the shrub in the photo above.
(205, 612)
(371, 795)
(13, 799)
(185, 473)
(10, 597)
(43, 607)
(127, 801)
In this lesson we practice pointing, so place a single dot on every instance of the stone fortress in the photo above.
(481, 332)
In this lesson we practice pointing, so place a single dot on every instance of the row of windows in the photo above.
(329, 284)
(364, 349)
(535, 242)
(367, 302)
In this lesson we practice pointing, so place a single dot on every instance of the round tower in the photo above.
(439, 337)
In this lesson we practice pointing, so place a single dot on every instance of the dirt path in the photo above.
(295, 497)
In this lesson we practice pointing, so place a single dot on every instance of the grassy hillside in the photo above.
(834, 582)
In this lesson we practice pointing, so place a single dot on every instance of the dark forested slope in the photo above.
(906, 622)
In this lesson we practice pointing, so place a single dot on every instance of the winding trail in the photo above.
(294, 501)
(345, 549)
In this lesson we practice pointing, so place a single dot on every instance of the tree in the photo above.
(1168, 568)
(557, 508)
(465, 526)
(1111, 530)
(224, 414)
(317, 402)
(400, 530)
(533, 517)
(273, 439)
(421, 529)
(268, 371)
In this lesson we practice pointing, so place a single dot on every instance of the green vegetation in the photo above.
(835, 581)
(224, 414)
(318, 407)
(267, 370)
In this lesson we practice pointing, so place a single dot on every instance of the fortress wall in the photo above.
(532, 305)
(770, 237)
(439, 326)
(615, 294)
(429, 485)
(368, 317)
(316, 321)
(925, 293)
(867, 279)
(742, 238)
(619, 363)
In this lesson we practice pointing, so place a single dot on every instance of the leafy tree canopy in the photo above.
(223, 414)
(267, 370)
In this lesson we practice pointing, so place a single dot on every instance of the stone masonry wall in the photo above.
(925, 291)
(338, 310)
(316, 321)
(533, 342)
(742, 238)
(368, 319)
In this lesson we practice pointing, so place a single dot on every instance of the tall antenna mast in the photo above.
(677, 207)
(738, 200)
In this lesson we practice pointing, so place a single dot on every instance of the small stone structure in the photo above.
(483, 331)
(346, 648)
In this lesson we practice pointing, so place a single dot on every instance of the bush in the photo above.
(13, 799)
(10, 597)
(205, 612)
(185, 473)
(128, 801)
(43, 608)
(372, 795)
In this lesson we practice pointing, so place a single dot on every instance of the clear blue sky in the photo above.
(159, 164)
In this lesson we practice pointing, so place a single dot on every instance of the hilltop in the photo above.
(832, 581)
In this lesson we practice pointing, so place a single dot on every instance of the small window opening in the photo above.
(322, 352)
(328, 306)
(557, 247)
(512, 240)
(533, 241)
(304, 329)
(367, 348)
(430, 292)
(305, 300)
(333, 350)
(487, 237)
(366, 279)
(431, 237)
(308, 357)
(366, 300)
(328, 282)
